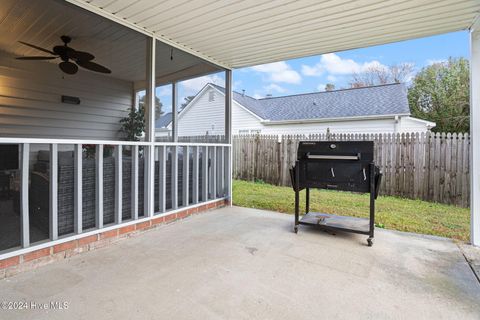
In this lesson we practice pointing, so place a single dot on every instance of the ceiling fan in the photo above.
(67, 55)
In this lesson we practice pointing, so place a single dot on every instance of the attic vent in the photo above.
(211, 96)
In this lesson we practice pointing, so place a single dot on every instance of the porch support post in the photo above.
(228, 132)
(174, 112)
(150, 129)
(53, 191)
(24, 208)
(475, 132)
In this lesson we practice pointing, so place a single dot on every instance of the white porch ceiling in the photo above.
(42, 22)
(234, 33)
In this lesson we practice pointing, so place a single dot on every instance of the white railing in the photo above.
(203, 178)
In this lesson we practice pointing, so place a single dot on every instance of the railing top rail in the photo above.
(72, 141)
(106, 142)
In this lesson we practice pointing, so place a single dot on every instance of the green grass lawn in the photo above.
(391, 212)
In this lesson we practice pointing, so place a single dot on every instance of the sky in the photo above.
(311, 74)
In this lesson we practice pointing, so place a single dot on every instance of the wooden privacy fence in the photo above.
(427, 166)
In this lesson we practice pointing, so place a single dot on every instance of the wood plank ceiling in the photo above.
(42, 22)
(236, 33)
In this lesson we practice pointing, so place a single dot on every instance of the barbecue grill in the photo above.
(336, 165)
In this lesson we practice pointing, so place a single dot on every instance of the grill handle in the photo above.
(331, 157)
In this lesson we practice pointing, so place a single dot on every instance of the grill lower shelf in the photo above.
(331, 221)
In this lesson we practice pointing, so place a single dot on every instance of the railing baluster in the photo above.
(118, 184)
(162, 177)
(222, 171)
(205, 174)
(214, 173)
(24, 200)
(135, 182)
(99, 187)
(78, 180)
(53, 192)
(150, 181)
(186, 164)
(174, 151)
(195, 152)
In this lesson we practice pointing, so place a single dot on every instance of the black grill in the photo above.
(336, 165)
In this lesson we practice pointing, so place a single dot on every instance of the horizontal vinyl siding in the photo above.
(244, 120)
(409, 125)
(360, 126)
(30, 101)
(202, 114)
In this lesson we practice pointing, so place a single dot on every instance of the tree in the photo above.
(329, 87)
(379, 74)
(133, 125)
(441, 93)
(187, 100)
(158, 105)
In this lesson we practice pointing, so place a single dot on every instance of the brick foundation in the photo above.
(33, 259)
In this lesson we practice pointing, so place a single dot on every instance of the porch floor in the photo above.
(242, 263)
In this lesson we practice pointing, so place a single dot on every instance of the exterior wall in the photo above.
(59, 250)
(359, 126)
(407, 124)
(30, 101)
(203, 117)
(244, 120)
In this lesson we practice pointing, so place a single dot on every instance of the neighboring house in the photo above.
(377, 109)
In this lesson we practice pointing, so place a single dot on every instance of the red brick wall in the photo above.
(36, 258)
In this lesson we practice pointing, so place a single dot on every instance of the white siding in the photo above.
(358, 126)
(203, 116)
(244, 120)
(407, 124)
(30, 101)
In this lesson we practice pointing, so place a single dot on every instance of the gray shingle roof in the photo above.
(389, 99)
(164, 120)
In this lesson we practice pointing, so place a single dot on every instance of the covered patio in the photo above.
(238, 263)
(73, 184)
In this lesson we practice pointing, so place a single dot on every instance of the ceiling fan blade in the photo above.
(92, 66)
(36, 47)
(68, 67)
(80, 55)
(35, 58)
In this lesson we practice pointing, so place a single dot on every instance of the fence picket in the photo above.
(426, 166)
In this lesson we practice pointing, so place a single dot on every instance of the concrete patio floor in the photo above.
(237, 263)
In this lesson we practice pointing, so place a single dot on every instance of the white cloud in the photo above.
(279, 72)
(321, 87)
(331, 78)
(257, 96)
(192, 86)
(275, 87)
(335, 65)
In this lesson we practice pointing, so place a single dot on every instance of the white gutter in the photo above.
(338, 119)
